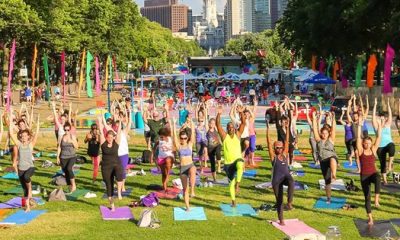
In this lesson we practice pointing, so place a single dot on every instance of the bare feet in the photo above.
(289, 207)
(233, 203)
(188, 209)
(377, 204)
(370, 222)
(282, 222)
(328, 201)
(119, 196)
(112, 207)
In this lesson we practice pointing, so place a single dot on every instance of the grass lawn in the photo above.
(82, 220)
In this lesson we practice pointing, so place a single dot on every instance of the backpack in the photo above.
(148, 218)
(150, 200)
(146, 155)
(57, 195)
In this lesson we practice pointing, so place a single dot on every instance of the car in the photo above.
(271, 113)
(339, 104)
(218, 90)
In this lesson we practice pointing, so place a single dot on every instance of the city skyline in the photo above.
(196, 5)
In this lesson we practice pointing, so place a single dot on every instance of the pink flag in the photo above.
(344, 81)
(387, 88)
(63, 74)
(10, 73)
(98, 90)
(322, 66)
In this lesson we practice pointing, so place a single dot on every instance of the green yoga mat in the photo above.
(18, 190)
(76, 194)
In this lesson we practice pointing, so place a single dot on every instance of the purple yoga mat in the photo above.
(14, 203)
(156, 171)
(122, 213)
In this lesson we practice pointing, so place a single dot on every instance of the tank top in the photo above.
(348, 133)
(25, 157)
(386, 137)
(252, 131)
(67, 150)
(186, 152)
(232, 149)
(326, 149)
(110, 154)
(280, 169)
(212, 139)
(165, 148)
(201, 134)
(367, 163)
(354, 127)
(123, 148)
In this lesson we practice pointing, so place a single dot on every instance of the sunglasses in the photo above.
(201, 121)
(67, 130)
(184, 138)
(278, 148)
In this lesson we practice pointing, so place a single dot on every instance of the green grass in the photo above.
(81, 219)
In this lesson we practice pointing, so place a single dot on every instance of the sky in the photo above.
(196, 5)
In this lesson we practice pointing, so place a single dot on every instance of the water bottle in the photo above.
(333, 233)
(44, 193)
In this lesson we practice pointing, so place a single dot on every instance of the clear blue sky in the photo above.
(196, 5)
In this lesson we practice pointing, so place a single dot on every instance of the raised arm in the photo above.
(269, 145)
(341, 118)
(361, 106)
(315, 128)
(348, 110)
(145, 114)
(101, 127)
(286, 143)
(366, 111)
(129, 121)
(56, 121)
(242, 122)
(333, 126)
(11, 131)
(308, 115)
(374, 120)
(31, 117)
(166, 111)
(296, 109)
(70, 112)
(175, 139)
(390, 117)
(221, 131)
(354, 103)
(118, 138)
(232, 112)
(378, 135)
(35, 137)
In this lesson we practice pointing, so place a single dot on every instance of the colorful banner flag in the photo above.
(106, 79)
(372, 63)
(89, 59)
(322, 66)
(314, 62)
(46, 76)
(81, 73)
(98, 88)
(10, 74)
(336, 68)
(358, 74)
(387, 88)
(330, 61)
(33, 72)
(63, 74)
(345, 82)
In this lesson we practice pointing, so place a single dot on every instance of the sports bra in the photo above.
(185, 152)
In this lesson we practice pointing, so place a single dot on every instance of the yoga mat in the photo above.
(222, 182)
(253, 166)
(296, 165)
(154, 187)
(17, 203)
(51, 155)
(352, 174)
(195, 213)
(130, 166)
(171, 193)
(124, 194)
(60, 173)
(264, 185)
(122, 213)
(257, 159)
(250, 173)
(76, 194)
(314, 166)
(239, 210)
(299, 173)
(19, 190)
(294, 227)
(336, 203)
(155, 171)
(391, 187)
(299, 158)
(11, 175)
(347, 165)
(297, 186)
(395, 221)
(377, 230)
(337, 185)
(4, 212)
(297, 152)
(22, 217)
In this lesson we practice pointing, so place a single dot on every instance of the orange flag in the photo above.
(372, 63)
(314, 62)
(33, 72)
(335, 70)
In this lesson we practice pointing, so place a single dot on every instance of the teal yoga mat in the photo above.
(76, 194)
(347, 165)
(336, 203)
(239, 210)
(10, 175)
(250, 173)
(195, 213)
(22, 217)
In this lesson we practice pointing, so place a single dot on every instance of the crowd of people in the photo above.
(197, 135)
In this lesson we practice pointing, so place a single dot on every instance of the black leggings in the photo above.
(24, 178)
(109, 172)
(66, 166)
(214, 153)
(326, 169)
(366, 181)
(277, 186)
(382, 151)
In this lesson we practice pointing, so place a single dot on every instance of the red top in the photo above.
(367, 163)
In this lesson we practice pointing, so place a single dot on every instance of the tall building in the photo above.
(246, 15)
(210, 12)
(190, 22)
(169, 13)
(232, 19)
(262, 15)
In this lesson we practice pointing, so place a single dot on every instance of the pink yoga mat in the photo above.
(130, 166)
(295, 227)
(257, 159)
(171, 193)
(299, 158)
(122, 213)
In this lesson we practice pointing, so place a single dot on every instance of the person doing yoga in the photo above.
(278, 153)
(234, 162)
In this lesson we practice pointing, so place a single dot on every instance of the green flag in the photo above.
(358, 73)
(111, 69)
(89, 59)
(330, 61)
(46, 76)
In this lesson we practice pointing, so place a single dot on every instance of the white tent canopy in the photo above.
(306, 75)
(244, 76)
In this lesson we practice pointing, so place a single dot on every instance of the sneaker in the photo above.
(90, 195)
(133, 173)
(142, 172)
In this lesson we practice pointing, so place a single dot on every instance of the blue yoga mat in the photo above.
(239, 210)
(195, 213)
(60, 173)
(250, 173)
(313, 165)
(10, 175)
(347, 165)
(300, 173)
(22, 217)
(336, 203)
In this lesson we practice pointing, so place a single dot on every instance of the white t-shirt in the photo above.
(165, 148)
(123, 148)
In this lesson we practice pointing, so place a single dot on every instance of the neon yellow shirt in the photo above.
(232, 149)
